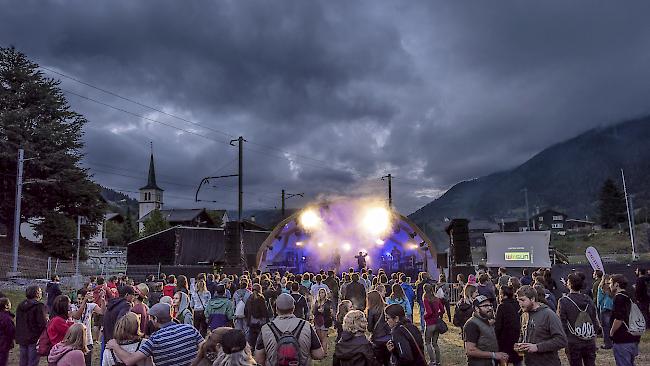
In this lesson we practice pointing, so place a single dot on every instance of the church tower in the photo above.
(151, 196)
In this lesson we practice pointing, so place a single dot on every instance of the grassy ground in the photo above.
(451, 346)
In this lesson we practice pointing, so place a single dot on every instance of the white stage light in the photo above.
(310, 220)
(379, 242)
(320, 244)
(299, 243)
(377, 220)
(347, 247)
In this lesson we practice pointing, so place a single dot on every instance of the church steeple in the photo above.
(151, 196)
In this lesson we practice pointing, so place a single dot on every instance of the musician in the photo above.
(397, 256)
(361, 260)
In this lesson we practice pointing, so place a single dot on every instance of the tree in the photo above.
(612, 205)
(35, 116)
(154, 223)
(114, 233)
(129, 230)
(59, 235)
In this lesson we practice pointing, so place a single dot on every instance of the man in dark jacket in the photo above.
(580, 330)
(508, 323)
(333, 284)
(31, 319)
(115, 309)
(356, 293)
(301, 309)
(52, 290)
(542, 335)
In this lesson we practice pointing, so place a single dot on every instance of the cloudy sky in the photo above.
(332, 95)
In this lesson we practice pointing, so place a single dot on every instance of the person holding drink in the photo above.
(542, 334)
(481, 345)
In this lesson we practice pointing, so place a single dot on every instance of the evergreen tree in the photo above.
(114, 233)
(612, 205)
(59, 235)
(35, 116)
(129, 229)
(154, 223)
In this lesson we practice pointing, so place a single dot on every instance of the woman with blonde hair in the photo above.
(72, 349)
(210, 349)
(322, 311)
(200, 297)
(354, 348)
(128, 336)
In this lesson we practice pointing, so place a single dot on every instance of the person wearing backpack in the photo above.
(301, 309)
(287, 340)
(239, 299)
(627, 323)
(642, 293)
(578, 315)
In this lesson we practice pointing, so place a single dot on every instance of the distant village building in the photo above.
(193, 217)
(549, 220)
(512, 225)
(581, 225)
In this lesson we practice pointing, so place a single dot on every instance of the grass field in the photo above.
(451, 347)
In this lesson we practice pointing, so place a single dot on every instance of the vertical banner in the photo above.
(594, 259)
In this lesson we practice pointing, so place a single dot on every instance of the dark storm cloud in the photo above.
(333, 95)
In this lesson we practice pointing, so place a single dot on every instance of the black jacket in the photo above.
(377, 325)
(356, 293)
(463, 312)
(301, 309)
(30, 321)
(568, 313)
(115, 309)
(406, 352)
(354, 350)
(53, 289)
(507, 326)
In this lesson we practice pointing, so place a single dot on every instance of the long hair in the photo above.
(61, 306)
(76, 337)
(429, 293)
(318, 297)
(182, 282)
(375, 301)
(127, 328)
(241, 358)
(396, 311)
(200, 287)
(344, 307)
(605, 286)
(468, 291)
(398, 292)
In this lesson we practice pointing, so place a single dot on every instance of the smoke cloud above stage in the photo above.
(332, 233)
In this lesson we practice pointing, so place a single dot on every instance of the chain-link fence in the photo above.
(40, 268)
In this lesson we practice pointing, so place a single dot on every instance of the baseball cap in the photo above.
(160, 311)
(284, 302)
(233, 341)
(479, 300)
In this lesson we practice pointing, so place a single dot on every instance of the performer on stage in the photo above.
(397, 256)
(361, 260)
(337, 261)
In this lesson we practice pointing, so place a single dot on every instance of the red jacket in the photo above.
(432, 311)
(57, 328)
(169, 290)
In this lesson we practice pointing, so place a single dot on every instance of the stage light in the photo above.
(377, 220)
(347, 247)
(412, 246)
(298, 243)
(379, 242)
(310, 220)
(320, 244)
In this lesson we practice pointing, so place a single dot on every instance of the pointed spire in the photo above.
(151, 181)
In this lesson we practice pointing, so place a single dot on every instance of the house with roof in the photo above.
(192, 217)
(549, 220)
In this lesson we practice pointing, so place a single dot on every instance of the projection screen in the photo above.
(521, 249)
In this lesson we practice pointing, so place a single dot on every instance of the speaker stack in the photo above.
(459, 245)
(232, 246)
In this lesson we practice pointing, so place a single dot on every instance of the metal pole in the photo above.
(241, 175)
(527, 211)
(78, 244)
(19, 192)
(390, 190)
(283, 204)
(631, 224)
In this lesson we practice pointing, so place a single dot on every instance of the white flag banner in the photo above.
(594, 259)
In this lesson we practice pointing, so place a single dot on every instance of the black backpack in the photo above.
(287, 346)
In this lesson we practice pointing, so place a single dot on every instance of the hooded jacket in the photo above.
(219, 312)
(115, 309)
(184, 314)
(404, 303)
(568, 313)
(7, 331)
(544, 328)
(53, 289)
(356, 293)
(506, 327)
(64, 355)
(464, 311)
(30, 321)
(354, 350)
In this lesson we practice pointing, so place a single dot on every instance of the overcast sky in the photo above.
(332, 95)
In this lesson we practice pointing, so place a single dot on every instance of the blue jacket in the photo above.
(405, 304)
(605, 302)
(408, 291)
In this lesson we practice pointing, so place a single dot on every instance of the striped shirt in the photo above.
(173, 345)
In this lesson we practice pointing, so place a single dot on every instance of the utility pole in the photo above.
(527, 212)
(78, 244)
(390, 189)
(630, 222)
(240, 141)
(19, 193)
(286, 197)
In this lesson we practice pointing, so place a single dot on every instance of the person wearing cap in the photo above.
(115, 309)
(235, 350)
(542, 334)
(219, 311)
(481, 345)
(286, 321)
(171, 345)
(140, 308)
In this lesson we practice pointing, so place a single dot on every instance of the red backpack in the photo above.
(287, 346)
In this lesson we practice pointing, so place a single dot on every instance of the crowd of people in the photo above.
(284, 319)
